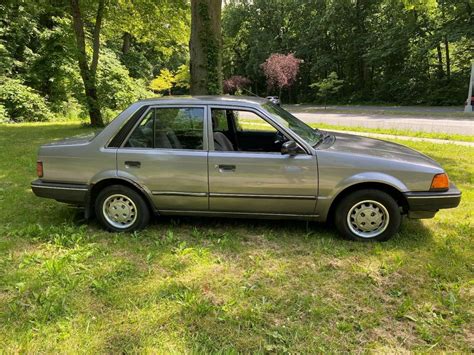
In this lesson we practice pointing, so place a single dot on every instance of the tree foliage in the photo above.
(235, 84)
(281, 70)
(328, 86)
(163, 82)
(20, 103)
(39, 49)
(182, 77)
(401, 51)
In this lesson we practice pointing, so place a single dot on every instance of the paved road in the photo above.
(451, 125)
(418, 109)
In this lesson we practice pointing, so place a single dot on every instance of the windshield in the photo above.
(286, 119)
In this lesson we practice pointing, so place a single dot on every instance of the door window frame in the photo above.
(288, 133)
(205, 139)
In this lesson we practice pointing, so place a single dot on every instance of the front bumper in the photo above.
(62, 192)
(426, 204)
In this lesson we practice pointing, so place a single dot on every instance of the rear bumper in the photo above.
(426, 204)
(68, 193)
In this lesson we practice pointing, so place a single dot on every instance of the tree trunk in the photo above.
(127, 39)
(205, 47)
(440, 61)
(88, 75)
(448, 60)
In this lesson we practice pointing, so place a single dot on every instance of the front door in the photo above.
(167, 154)
(248, 173)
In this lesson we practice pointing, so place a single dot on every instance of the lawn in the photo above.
(216, 285)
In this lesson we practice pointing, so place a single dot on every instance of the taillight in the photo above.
(39, 169)
(440, 182)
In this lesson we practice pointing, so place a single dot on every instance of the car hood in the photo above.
(377, 148)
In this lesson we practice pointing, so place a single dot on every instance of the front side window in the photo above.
(247, 121)
(170, 128)
(244, 131)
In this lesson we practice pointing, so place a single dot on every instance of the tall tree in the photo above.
(205, 47)
(88, 72)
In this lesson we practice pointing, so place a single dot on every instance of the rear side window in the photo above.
(142, 136)
(170, 128)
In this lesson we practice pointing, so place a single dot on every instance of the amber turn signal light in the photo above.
(39, 169)
(440, 182)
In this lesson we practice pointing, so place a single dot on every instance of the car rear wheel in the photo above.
(121, 209)
(367, 215)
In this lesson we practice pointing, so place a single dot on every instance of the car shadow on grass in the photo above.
(413, 234)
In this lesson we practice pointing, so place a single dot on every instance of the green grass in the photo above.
(216, 285)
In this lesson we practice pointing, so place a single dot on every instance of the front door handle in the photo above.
(132, 164)
(225, 168)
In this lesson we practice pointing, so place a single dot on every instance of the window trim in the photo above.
(288, 133)
(117, 138)
(152, 107)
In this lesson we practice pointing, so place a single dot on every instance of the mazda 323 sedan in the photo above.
(239, 157)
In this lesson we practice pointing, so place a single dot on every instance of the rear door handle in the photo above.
(225, 168)
(132, 164)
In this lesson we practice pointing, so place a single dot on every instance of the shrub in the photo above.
(3, 114)
(21, 102)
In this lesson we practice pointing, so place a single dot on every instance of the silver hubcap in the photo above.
(120, 211)
(368, 219)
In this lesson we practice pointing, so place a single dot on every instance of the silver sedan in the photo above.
(239, 157)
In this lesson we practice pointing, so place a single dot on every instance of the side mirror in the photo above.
(289, 147)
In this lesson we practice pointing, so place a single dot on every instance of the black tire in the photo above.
(347, 203)
(137, 205)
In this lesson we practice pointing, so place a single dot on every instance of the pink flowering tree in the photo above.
(235, 84)
(281, 70)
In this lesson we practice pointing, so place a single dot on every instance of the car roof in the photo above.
(207, 100)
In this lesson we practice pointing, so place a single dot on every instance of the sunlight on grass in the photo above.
(210, 285)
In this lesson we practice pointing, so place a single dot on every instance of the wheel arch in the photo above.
(375, 185)
(100, 185)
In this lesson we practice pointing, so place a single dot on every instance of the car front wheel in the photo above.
(367, 215)
(121, 209)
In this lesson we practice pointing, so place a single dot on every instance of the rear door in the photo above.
(166, 153)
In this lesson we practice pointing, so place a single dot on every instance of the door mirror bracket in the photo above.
(289, 147)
